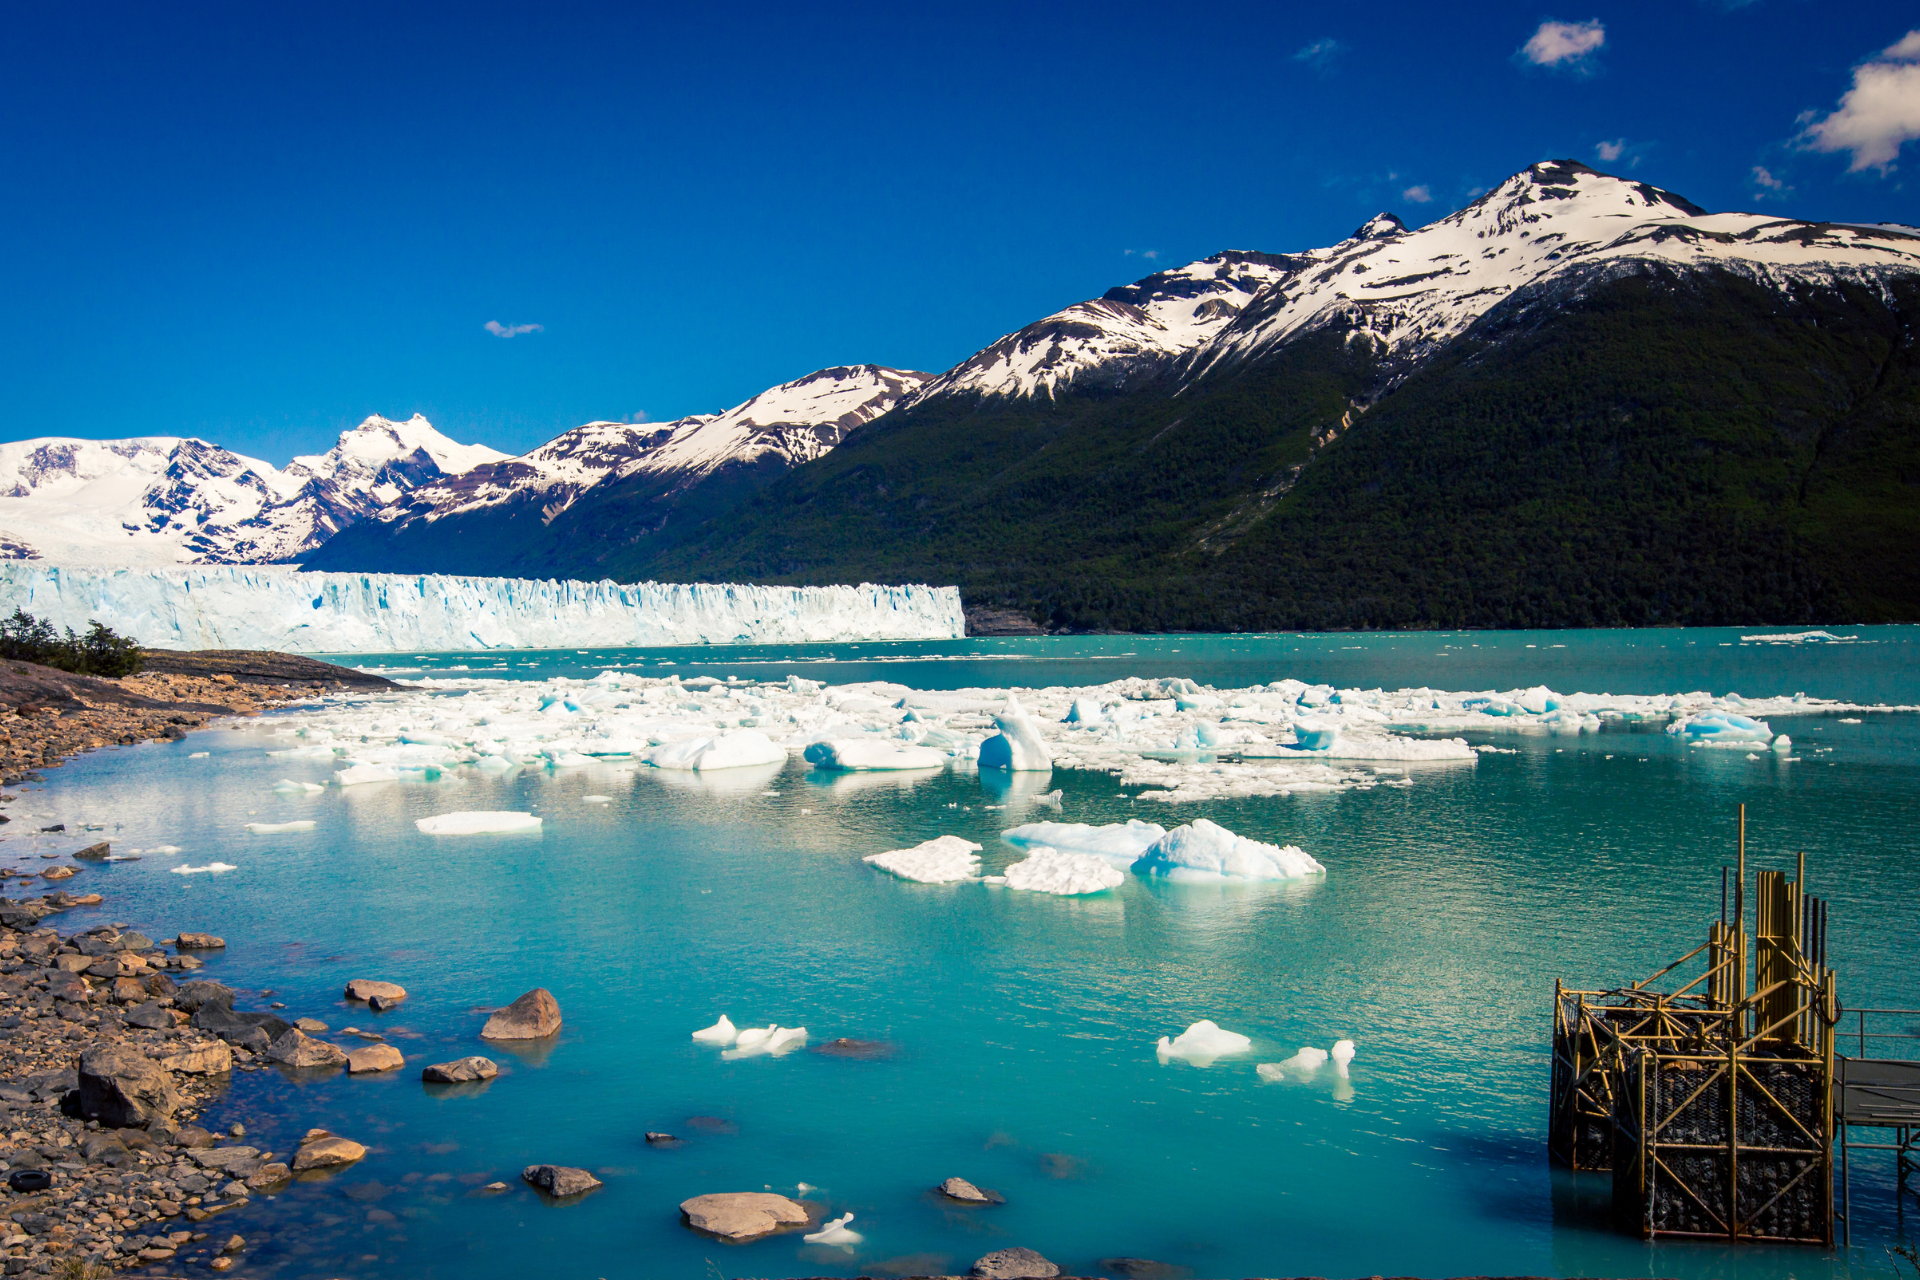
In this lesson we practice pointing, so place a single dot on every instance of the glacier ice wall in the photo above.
(265, 607)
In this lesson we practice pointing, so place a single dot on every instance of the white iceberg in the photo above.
(1204, 852)
(1018, 746)
(275, 828)
(737, 750)
(721, 1032)
(1067, 874)
(942, 860)
(478, 823)
(1713, 727)
(1315, 735)
(184, 870)
(836, 1233)
(596, 799)
(1085, 711)
(289, 786)
(359, 774)
(1120, 843)
(1342, 1054)
(304, 753)
(754, 1042)
(1201, 1043)
(870, 754)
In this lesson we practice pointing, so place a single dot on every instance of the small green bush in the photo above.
(101, 652)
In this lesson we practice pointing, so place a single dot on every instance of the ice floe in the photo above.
(289, 786)
(756, 1042)
(1047, 870)
(836, 1233)
(477, 823)
(721, 1032)
(1171, 740)
(1713, 728)
(1800, 637)
(216, 867)
(275, 828)
(1121, 844)
(1201, 1043)
(942, 860)
(1205, 852)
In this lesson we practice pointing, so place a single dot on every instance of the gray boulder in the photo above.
(559, 1180)
(1013, 1264)
(193, 996)
(368, 988)
(534, 1016)
(742, 1215)
(295, 1048)
(123, 1090)
(460, 1071)
(152, 1015)
(965, 1192)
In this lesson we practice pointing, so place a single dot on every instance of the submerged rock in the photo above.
(965, 1192)
(534, 1016)
(847, 1047)
(560, 1180)
(460, 1071)
(743, 1215)
(1013, 1264)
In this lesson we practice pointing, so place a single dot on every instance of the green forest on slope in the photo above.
(1667, 448)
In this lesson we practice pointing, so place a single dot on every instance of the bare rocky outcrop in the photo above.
(534, 1016)
(743, 1215)
(124, 1089)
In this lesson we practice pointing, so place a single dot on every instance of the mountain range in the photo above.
(1581, 400)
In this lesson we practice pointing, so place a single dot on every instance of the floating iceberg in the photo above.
(275, 828)
(1800, 637)
(478, 823)
(721, 1032)
(359, 774)
(1085, 711)
(736, 750)
(942, 860)
(1342, 1054)
(1018, 745)
(184, 870)
(754, 1042)
(263, 607)
(1068, 874)
(1709, 727)
(1203, 852)
(1315, 735)
(1201, 1043)
(871, 753)
(836, 1233)
(296, 788)
(1119, 843)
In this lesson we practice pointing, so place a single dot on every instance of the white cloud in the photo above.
(1765, 184)
(1421, 194)
(1564, 44)
(637, 417)
(1610, 151)
(1320, 54)
(1151, 255)
(1880, 112)
(499, 330)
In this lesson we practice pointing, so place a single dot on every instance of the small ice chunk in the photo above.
(1085, 711)
(836, 1233)
(941, 860)
(297, 788)
(596, 799)
(754, 1042)
(1119, 843)
(274, 828)
(871, 753)
(1050, 799)
(736, 750)
(1303, 1063)
(198, 755)
(1315, 735)
(184, 870)
(1721, 726)
(1201, 1043)
(1342, 1055)
(479, 822)
(362, 773)
(1067, 874)
(1204, 852)
(1018, 746)
(1783, 744)
(721, 1032)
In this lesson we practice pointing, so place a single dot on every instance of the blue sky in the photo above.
(259, 223)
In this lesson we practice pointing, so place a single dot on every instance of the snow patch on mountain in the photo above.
(168, 500)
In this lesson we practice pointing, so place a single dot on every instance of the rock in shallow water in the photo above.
(559, 1180)
(1013, 1264)
(368, 988)
(962, 1190)
(375, 1057)
(460, 1071)
(295, 1048)
(321, 1150)
(534, 1016)
(743, 1215)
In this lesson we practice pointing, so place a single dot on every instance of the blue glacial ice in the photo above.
(1018, 746)
(1202, 852)
(1121, 844)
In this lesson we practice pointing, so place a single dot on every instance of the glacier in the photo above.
(265, 607)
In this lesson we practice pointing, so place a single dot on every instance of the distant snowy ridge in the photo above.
(1554, 225)
(257, 607)
(164, 500)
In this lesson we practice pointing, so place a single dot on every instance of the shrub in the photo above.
(101, 652)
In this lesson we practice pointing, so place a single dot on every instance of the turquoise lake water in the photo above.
(1022, 1025)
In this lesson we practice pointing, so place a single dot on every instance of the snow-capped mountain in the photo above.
(159, 500)
(463, 520)
(1128, 333)
(1410, 292)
